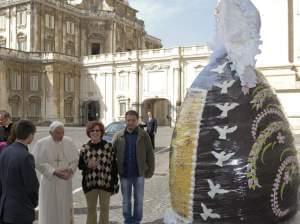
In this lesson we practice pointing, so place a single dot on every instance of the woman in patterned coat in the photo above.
(99, 170)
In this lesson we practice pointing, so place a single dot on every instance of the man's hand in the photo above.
(64, 174)
(68, 173)
(59, 174)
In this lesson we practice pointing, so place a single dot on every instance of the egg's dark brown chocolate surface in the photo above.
(233, 159)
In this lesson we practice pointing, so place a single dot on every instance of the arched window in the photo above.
(34, 111)
(15, 104)
(15, 78)
(69, 110)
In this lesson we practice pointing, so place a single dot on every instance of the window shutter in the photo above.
(23, 18)
(52, 22)
(18, 18)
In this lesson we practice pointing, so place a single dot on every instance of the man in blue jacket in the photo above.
(18, 181)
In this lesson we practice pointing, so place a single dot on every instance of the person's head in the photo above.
(57, 130)
(25, 131)
(4, 118)
(95, 130)
(149, 114)
(131, 118)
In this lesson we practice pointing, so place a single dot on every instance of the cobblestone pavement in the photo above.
(156, 199)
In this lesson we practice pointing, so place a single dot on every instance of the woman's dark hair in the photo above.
(12, 135)
(24, 129)
(91, 125)
(133, 113)
(5, 114)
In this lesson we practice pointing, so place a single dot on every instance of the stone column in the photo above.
(109, 97)
(291, 31)
(4, 82)
(58, 33)
(51, 94)
(77, 97)
(64, 34)
(45, 90)
(77, 38)
(61, 91)
(42, 34)
(177, 93)
(111, 40)
(134, 95)
(12, 28)
(83, 42)
(35, 27)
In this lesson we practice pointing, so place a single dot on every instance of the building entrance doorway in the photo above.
(160, 108)
(90, 111)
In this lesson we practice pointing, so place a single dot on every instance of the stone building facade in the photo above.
(157, 80)
(92, 61)
(42, 42)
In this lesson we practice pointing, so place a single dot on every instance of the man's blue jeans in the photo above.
(137, 185)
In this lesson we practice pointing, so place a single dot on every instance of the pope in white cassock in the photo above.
(56, 158)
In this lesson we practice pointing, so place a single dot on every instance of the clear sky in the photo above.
(178, 22)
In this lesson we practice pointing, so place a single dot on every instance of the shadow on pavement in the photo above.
(158, 221)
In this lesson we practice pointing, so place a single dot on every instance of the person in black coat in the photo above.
(18, 181)
(151, 128)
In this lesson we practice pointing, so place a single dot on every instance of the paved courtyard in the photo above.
(156, 189)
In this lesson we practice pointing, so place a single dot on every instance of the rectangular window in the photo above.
(34, 83)
(35, 109)
(21, 18)
(69, 83)
(49, 21)
(123, 83)
(70, 27)
(67, 86)
(16, 81)
(52, 22)
(95, 48)
(122, 109)
(2, 22)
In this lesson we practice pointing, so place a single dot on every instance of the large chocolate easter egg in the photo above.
(232, 160)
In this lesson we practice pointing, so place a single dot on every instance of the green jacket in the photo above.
(144, 152)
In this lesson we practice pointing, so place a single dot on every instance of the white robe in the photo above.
(55, 195)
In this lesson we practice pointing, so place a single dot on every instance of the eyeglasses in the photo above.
(96, 130)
